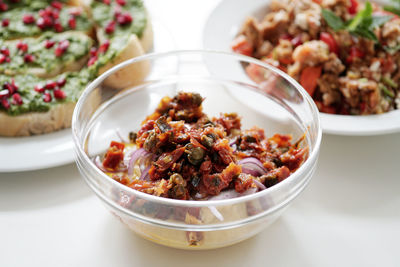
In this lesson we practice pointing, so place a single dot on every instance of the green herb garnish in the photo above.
(362, 24)
(395, 8)
(386, 91)
(389, 82)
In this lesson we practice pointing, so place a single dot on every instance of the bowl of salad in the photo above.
(193, 156)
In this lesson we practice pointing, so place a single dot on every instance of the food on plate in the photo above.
(46, 56)
(51, 50)
(181, 153)
(346, 54)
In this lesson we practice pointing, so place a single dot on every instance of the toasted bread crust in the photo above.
(130, 75)
(58, 117)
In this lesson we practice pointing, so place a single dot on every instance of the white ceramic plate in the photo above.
(223, 25)
(56, 149)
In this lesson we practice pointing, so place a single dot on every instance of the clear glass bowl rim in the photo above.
(197, 203)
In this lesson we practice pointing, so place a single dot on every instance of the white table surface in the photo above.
(349, 215)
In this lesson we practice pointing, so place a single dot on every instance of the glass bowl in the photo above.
(278, 104)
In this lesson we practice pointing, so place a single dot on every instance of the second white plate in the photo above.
(223, 25)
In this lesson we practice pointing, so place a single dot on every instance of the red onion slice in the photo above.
(145, 176)
(260, 185)
(138, 153)
(252, 166)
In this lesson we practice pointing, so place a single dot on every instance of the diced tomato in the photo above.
(325, 109)
(387, 64)
(114, 155)
(317, 1)
(286, 61)
(354, 53)
(242, 46)
(330, 41)
(353, 7)
(309, 77)
(255, 72)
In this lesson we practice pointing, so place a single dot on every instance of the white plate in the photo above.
(56, 149)
(223, 25)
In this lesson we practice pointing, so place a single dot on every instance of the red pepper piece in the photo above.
(242, 46)
(309, 78)
(114, 155)
(353, 7)
(330, 41)
(354, 53)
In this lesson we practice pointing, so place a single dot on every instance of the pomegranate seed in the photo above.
(40, 23)
(107, 2)
(2, 58)
(3, 7)
(22, 46)
(49, 44)
(50, 85)
(5, 22)
(104, 47)
(91, 61)
(39, 88)
(57, 5)
(4, 93)
(15, 87)
(42, 13)
(48, 11)
(4, 50)
(110, 28)
(61, 48)
(296, 41)
(117, 13)
(17, 99)
(93, 51)
(124, 19)
(5, 103)
(8, 60)
(28, 58)
(59, 94)
(9, 87)
(46, 97)
(57, 26)
(28, 19)
(72, 22)
(121, 2)
(56, 14)
(61, 82)
(48, 22)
